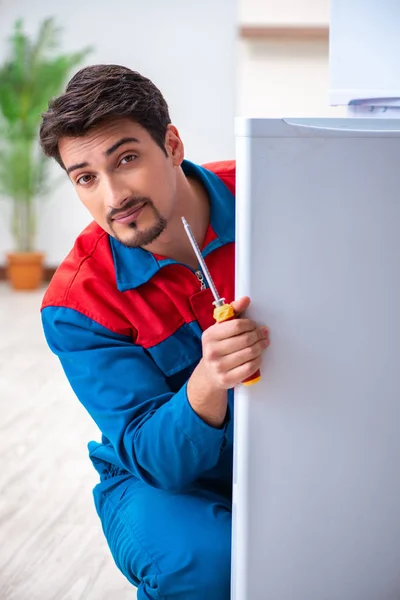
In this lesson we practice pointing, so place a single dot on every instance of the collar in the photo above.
(136, 266)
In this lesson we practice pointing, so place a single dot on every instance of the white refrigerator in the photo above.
(316, 512)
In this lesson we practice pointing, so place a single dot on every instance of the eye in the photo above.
(128, 158)
(84, 179)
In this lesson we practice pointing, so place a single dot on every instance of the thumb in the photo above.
(241, 305)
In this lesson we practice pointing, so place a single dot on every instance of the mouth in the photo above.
(132, 215)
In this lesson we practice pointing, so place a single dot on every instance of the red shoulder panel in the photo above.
(77, 285)
(226, 171)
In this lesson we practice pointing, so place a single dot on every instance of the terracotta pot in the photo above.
(25, 270)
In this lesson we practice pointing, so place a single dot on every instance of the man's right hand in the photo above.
(232, 350)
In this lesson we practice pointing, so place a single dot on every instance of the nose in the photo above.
(116, 193)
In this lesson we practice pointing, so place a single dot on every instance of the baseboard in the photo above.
(48, 273)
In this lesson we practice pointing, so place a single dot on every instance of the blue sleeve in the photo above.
(155, 433)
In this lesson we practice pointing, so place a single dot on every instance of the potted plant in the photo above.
(33, 73)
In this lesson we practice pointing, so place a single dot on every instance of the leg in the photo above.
(173, 546)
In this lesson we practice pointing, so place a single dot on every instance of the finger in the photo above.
(229, 329)
(246, 355)
(238, 374)
(242, 341)
(241, 305)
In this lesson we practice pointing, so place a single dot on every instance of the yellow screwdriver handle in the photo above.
(226, 313)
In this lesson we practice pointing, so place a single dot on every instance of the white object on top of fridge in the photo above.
(364, 49)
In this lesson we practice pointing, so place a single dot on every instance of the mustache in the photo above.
(128, 206)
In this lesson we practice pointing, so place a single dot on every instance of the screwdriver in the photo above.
(222, 311)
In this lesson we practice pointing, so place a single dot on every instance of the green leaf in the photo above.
(33, 73)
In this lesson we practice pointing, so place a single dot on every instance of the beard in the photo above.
(139, 238)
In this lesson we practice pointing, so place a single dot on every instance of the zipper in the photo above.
(200, 277)
(198, 273)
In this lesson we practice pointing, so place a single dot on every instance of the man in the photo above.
(130, 317)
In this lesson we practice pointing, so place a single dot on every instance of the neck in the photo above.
(191, 202)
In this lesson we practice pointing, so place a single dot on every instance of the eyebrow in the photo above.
(77, 166)
(120, 142)
(108, 152)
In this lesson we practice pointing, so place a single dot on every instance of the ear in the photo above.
(174, 145)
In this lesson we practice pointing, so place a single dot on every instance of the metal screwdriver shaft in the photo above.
(218, 301)
(222, 312)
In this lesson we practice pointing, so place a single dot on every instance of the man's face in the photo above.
(124, 178)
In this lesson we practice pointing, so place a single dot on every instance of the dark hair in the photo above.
(98, 93)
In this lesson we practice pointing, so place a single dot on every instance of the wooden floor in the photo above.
(51, 543)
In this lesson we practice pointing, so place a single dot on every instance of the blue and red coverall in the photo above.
(126, 325)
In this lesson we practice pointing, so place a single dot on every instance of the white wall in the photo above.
(187, 48)
(284, 77)
(270, 12)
